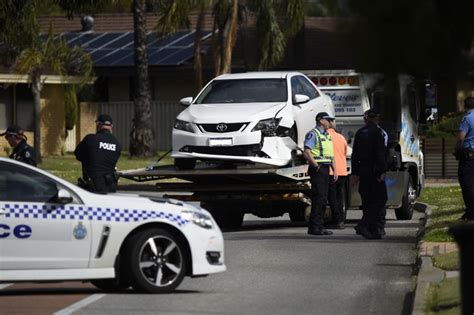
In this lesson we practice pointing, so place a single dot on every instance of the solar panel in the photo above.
(116, 48)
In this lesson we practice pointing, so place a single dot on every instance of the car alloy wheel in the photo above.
(158, 261)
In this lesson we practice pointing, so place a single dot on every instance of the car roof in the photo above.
(257, 75)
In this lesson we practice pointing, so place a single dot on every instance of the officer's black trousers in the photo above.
(374, 197)
(466, 180)
(319, 192)
(336, 198)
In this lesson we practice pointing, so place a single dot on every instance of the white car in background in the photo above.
(255, 117)
(52, 230)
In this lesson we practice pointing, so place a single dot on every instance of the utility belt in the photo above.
(464, 154)
(87, 182)
(323, 159)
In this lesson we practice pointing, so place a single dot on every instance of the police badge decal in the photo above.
(80, 231)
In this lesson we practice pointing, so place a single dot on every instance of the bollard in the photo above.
(464, 236)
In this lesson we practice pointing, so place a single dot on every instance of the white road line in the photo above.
(4, 285)
(82, 303)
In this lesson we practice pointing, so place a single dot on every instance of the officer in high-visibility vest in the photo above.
(319, 152)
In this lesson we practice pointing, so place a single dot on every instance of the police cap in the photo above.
(13, 130)
(104, 119)
(372, 113)
(324, 115)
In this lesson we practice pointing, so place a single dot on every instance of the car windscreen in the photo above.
(244, 91)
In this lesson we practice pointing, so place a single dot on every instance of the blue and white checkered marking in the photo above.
(80, 212)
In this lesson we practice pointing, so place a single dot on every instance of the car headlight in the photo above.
(198, 218)
(183, 125)
(268, 127)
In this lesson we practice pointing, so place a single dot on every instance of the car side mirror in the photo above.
(63, 196)
(301, 99)
(186, 101)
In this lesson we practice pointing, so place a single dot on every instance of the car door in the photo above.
(35, 231)
(305, 113)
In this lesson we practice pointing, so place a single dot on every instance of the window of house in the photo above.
(24, 107)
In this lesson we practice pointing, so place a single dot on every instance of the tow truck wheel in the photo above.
(405, 212)
(184, 164)
(297, 215)
(157, 261)
(109, 285)
(226, 218)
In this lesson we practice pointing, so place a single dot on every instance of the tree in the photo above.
(175, 14)
(18, 28)
(142, 136)
(32, 55)
(46, 56)
(426, 37)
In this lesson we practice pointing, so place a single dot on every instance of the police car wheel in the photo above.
(157, 261)
(109, 285)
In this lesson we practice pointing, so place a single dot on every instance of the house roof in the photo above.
(122, 22)
(110, 41)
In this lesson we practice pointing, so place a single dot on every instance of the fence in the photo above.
(163, 118)
(439, 159)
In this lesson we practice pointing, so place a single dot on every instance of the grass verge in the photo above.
(443, 297)
(447, 208)
(449, 261)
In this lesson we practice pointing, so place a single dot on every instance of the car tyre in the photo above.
(405, 212)
(109, 285)
(297, 215)
(184, 164)
(157, 261)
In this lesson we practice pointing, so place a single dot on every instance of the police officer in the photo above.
(21, 150)
(99, 154)
(319, 152)
(336, 187)
(369, 165)
(465, 154)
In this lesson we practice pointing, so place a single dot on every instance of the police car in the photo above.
(52, 230)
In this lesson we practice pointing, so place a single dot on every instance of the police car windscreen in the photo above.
(347, 102)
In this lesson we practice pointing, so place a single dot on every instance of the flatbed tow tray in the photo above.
(205, 174)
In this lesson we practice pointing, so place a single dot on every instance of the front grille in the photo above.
(219, 127)
(240, 150)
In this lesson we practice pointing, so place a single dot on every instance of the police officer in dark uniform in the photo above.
(369, 165)
(465, 155)
(21, 150)
(319, 153)
(99, 154)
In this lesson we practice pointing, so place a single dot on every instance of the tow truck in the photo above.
(229, 191)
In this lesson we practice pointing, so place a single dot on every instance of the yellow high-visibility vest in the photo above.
(323, 150)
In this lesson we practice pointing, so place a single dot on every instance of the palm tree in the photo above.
(142, 137)
(175, 14)
(46, 56)
(272, 40)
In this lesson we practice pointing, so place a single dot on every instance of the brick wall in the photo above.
(85, 125)
(52, 120)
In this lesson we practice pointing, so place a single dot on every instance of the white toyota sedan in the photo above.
(255, 117)
(52, 230)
